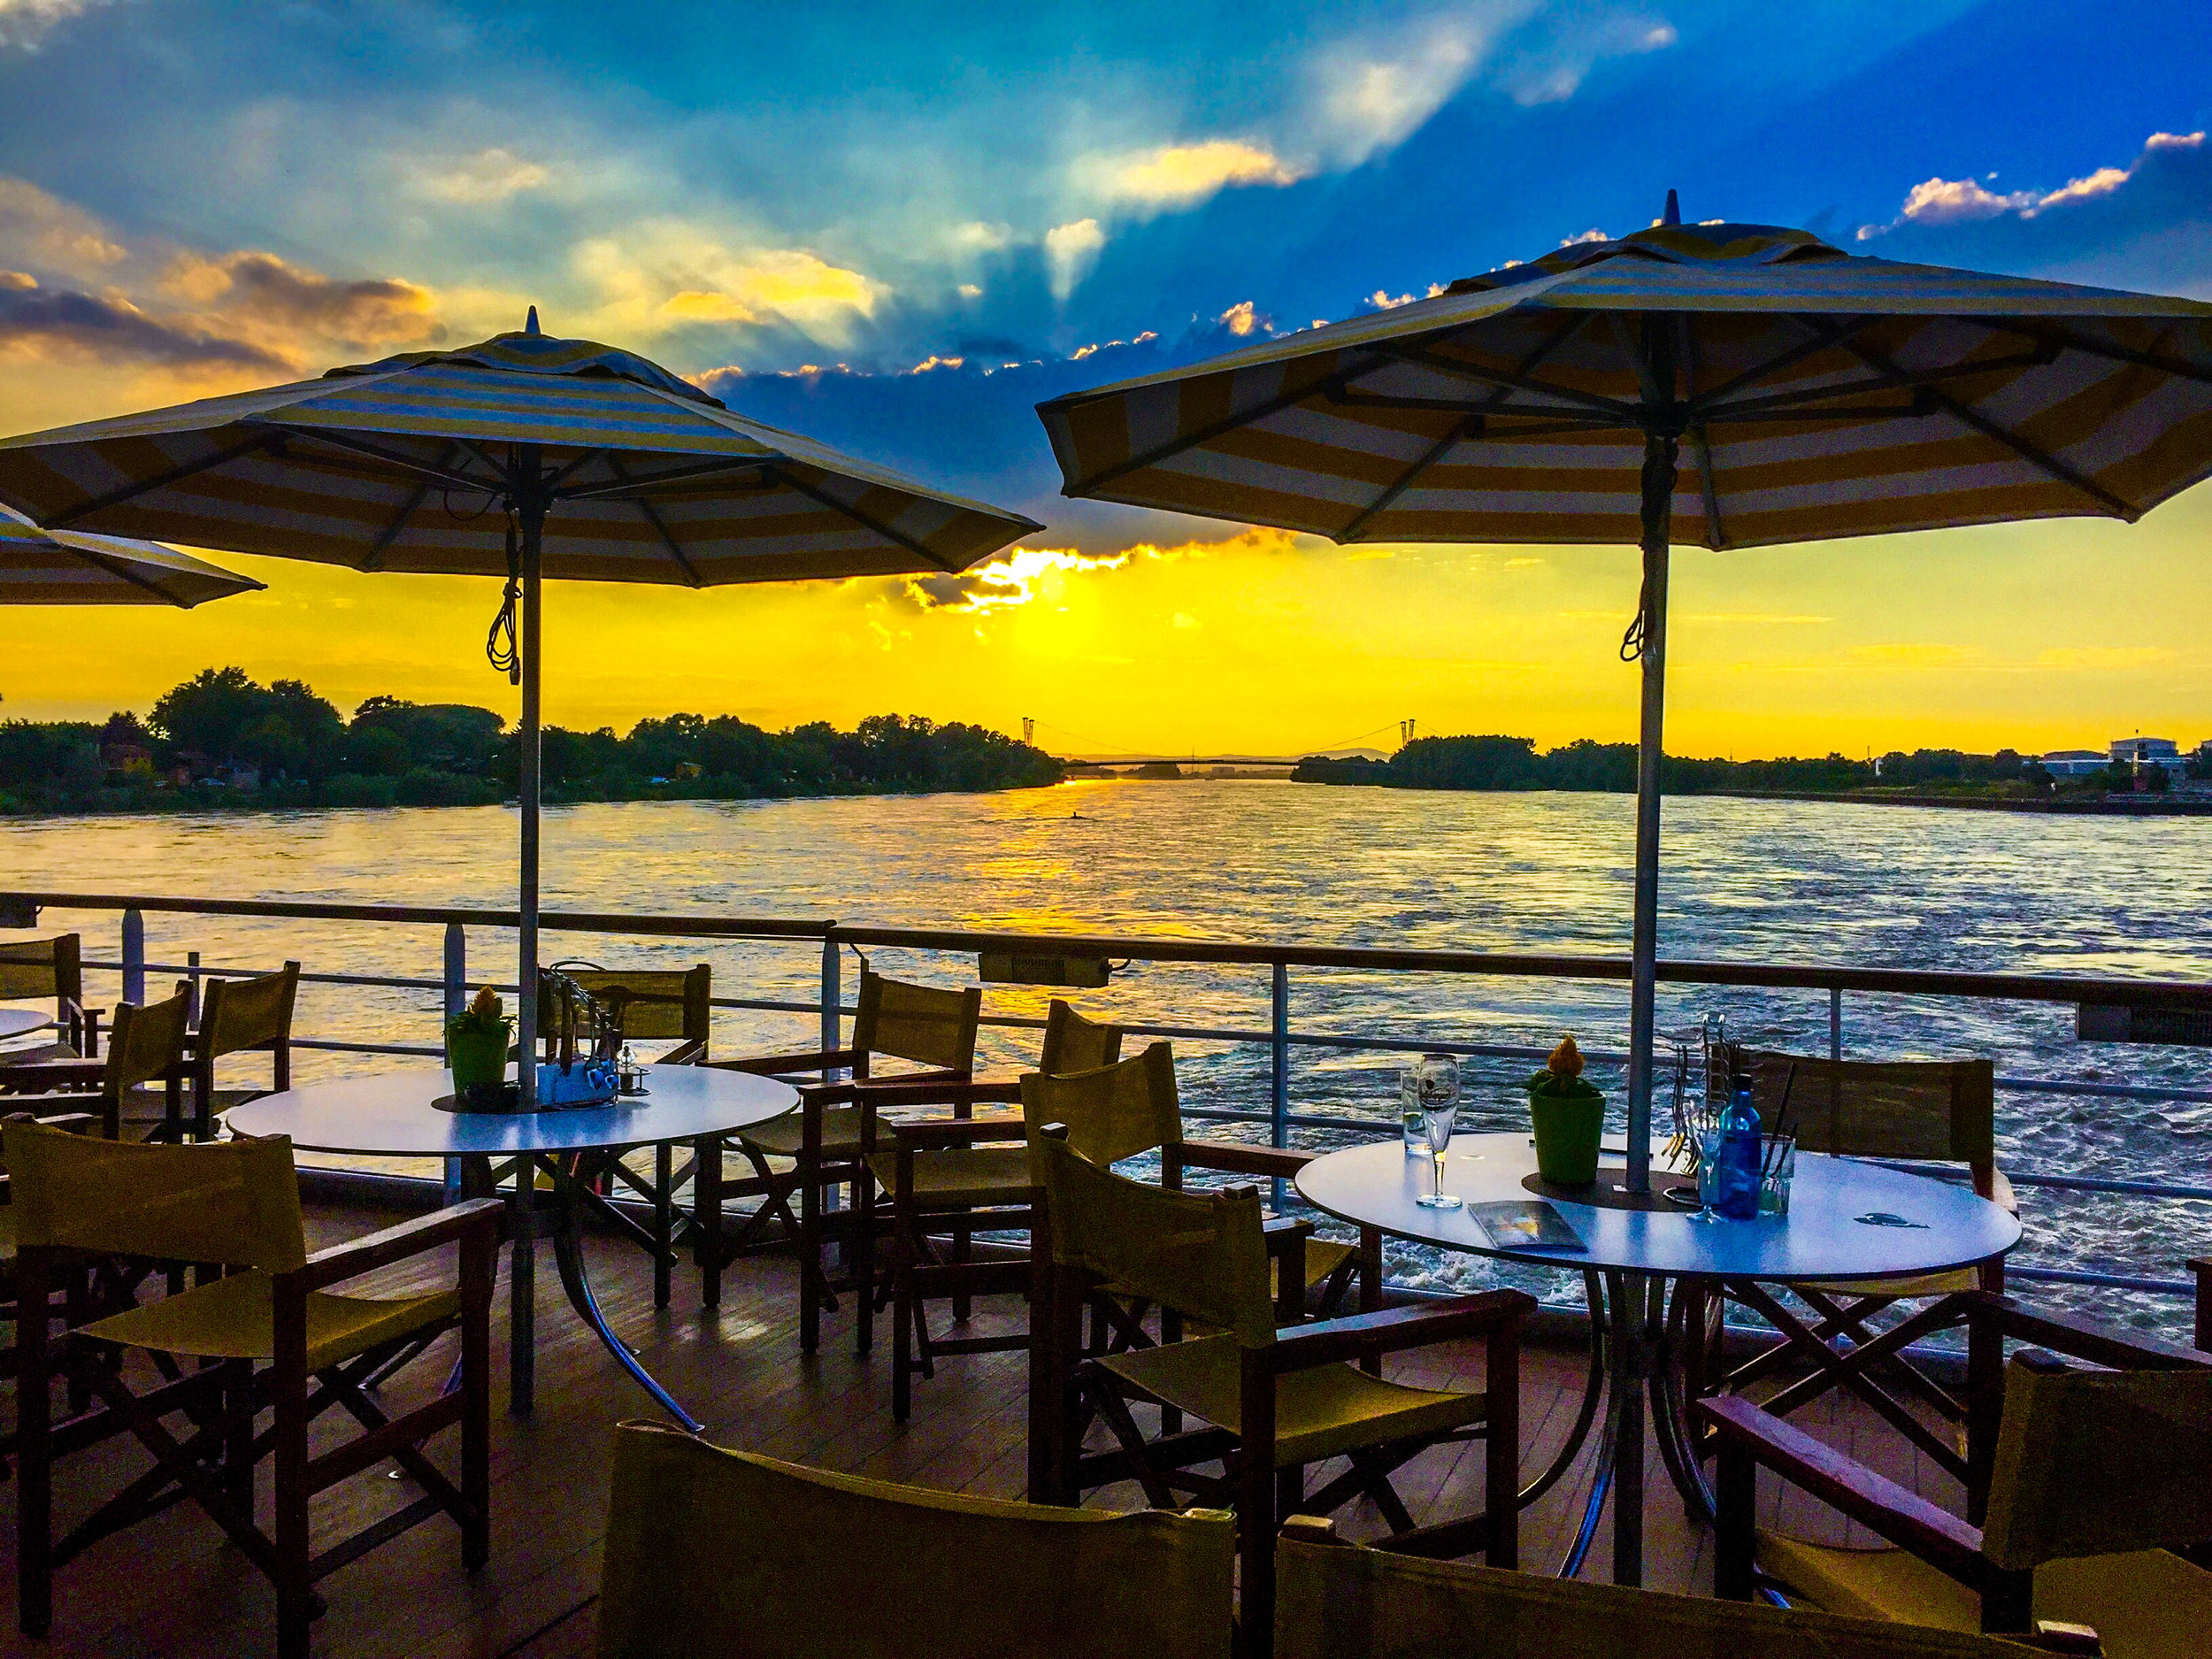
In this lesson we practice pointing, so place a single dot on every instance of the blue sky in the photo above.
(897, 226)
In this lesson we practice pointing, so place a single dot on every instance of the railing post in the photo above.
(134, 956)
(833, 996)
(1279, 1069)
(1835, 1023)
(456, 976)
(192, 988)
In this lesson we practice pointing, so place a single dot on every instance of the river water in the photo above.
(1797, 882)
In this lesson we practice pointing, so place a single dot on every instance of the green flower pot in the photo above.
(1568, 1127)
(477, 1056)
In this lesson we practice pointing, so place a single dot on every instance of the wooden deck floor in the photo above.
(173, 1588)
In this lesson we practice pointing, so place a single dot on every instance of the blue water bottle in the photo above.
(1738, 1196)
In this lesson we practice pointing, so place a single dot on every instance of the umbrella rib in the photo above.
(660, 527)
(1469, 423)
(680, 475)
(1207, 434)
(2031, 453)
(1702, 444)
(353, 446)
(390, 533)
(160, 480)
(121, 569)
(2062, 338)
(1822, 340)
(1881, 383)
(1508, 379)
(864, 521)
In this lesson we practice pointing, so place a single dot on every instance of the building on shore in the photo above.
(2074, 763)
(2140, 754)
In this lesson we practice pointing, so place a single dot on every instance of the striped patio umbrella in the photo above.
(43, 567)
(1819, 395)
(524, 456)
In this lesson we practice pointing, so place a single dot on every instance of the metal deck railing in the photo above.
(1279, 1038)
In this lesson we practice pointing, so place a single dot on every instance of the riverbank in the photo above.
(2063, 805)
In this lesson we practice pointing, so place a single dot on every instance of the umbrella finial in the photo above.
(530, 323)
(1673, 216)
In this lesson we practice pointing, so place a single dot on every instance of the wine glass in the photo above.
(1436, 1121)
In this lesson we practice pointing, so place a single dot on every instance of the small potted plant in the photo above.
(476, 1042)
(1569, 1114)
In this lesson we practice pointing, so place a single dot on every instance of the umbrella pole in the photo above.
(522, 1259)
(1658, 514)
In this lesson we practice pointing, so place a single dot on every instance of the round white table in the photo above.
(392, 1114)
(21, 1022)
(1848, 1220)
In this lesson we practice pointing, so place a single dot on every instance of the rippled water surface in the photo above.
(1743, 880)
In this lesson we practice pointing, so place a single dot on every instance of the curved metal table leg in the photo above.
(1678, 1441)
(1593, 1395)
(568, 1256)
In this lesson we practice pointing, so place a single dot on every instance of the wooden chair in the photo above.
(1274, 1402)
(942, 1177)
(238, 1017)
(813, 1565)
(51, 968)
(1339, 1601)
(1938, 1111)
(2083, 1483)
(235, 1204)
(146, 1046)
(810, 1153)
(649, 1005)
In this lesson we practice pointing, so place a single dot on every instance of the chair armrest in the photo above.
(938, 1133)
(1236, 1158)
(1877, 1502)
(687, 1053)
(2001, 1193)
(74, 1123)
(1359, 1335)
(777, 1065)
(2085, 1339)
(936, 1091)
(364, 1255)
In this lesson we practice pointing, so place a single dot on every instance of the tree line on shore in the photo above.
(1515, 763)
(221, 738)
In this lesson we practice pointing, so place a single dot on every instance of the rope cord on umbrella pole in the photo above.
(1658, 486)
(499, 644)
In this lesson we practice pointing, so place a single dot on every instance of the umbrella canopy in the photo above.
(523, 456)
(41, 567)
(411, 464)
(1819, 395)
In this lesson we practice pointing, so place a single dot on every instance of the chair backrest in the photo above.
(1343, 1601)
(1073, 1043)
(2093, 1463)
(146, 1043)
(241, 1014)
(1111, 1112)
(43, 967)
(1942, 1110)
(812, 1565)
(237, 1203)
(1202, 1254)
(921, 1023)
(650, 1002)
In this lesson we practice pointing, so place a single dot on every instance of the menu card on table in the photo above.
(1525, 1224)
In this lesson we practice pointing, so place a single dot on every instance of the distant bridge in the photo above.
(1182, 760)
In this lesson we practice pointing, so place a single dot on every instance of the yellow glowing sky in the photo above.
(2039, 636)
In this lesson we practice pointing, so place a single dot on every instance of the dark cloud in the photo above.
(65, 322)
(273, 292)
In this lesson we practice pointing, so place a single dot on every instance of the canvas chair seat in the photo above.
(783, 1137)
(231, 1318)
(2144, 1604)
(1323, 1256)
(961, 1178)
(1318, 1414)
